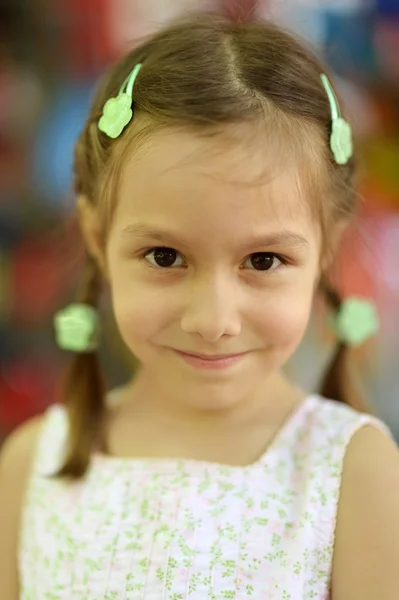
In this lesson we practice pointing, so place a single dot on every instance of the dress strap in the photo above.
(50, 450)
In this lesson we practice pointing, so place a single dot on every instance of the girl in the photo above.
(214, 179)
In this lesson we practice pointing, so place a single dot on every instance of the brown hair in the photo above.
(205, 72)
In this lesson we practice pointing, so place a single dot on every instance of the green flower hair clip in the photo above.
(77, 328)
(341, 133)
(356, 321)
(117, 112)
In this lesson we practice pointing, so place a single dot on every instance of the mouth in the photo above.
(211, 361)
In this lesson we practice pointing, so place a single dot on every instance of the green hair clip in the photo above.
(356, 321)
(117, 112)
(77, 328)
(341, 134)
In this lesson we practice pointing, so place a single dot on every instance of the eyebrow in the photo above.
(286, 238)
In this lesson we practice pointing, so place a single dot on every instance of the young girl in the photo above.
(214, 179)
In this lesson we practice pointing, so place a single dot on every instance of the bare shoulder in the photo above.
(17, 449)
(366, 553)
(16, 457)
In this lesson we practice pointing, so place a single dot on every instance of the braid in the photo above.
(338, 382)
(91, 287)
(84, 391)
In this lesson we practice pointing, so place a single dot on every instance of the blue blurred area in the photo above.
(56, 136)
(388, 8)
(348, 44)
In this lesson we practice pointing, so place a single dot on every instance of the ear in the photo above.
(92, 232)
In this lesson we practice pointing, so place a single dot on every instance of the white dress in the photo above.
(157, 529)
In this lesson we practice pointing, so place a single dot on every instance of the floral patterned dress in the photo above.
(168, 529)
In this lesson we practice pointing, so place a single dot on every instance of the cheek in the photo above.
(289, 314)
(136, 310)
(140, 311)
(284, 320)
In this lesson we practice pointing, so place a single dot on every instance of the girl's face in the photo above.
(207, 257)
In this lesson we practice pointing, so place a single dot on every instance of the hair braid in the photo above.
(339, 382)
(84, 391)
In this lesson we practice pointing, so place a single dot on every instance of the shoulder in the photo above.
(15, 464)
(366, 553)
(18, 448)
(16, 457)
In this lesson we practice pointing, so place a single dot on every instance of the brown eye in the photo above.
(263, 261)
(163, 257)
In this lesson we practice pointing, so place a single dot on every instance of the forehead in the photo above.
(228, 181)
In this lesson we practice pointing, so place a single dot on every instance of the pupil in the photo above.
(164, 257)
(262, 261)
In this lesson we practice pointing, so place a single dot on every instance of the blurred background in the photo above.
(51, 54)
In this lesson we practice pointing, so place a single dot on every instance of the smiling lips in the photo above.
(211, 362)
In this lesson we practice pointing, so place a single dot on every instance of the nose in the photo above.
(212, 311)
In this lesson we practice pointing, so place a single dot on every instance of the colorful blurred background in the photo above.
(51, 54)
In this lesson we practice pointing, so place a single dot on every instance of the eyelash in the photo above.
(147, 251)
